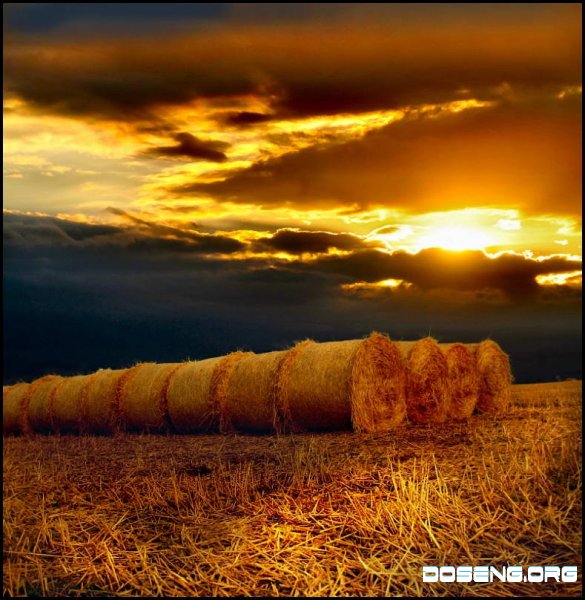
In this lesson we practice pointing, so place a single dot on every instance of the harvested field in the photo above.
(303, 514)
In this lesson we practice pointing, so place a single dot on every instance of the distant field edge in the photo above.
(552, 392)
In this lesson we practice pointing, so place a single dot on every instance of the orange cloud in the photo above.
(302, 69)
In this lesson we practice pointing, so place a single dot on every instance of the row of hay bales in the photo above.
(370, 385)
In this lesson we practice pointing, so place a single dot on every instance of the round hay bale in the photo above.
(65, 404)
(250, 398)
(11, 398)
(283, 416)
(35, 405)
(427, 395)
(143, 402)
(495, 387)
(189, 403)
(197, 394)
(218, 388)
(463, 380)
(97, 401)
(378, 395)
(340, 385)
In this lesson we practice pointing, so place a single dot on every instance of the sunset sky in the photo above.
(181, 180)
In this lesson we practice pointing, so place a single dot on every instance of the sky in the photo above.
(185, 180)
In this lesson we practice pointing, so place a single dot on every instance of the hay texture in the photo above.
(378, 389)
(463, 380)
(11, 398)
(35, 406)
(219, 386)
(65, 404)
(495, 387)
(142, 401)
(340, 385)
(189, 404)
(250, 397)
(197, 394)
(97, 401)
(427, 395)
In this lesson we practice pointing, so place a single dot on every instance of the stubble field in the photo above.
(306, 514)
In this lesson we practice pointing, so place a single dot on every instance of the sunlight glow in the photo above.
(363, 286)
(455, 238)
(573, 278)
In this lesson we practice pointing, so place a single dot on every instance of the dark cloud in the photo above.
(441, 269)
(29, 230)
(302, 68)
(189, 146)
(112, 305)
(244, 118)
(300, 242)
(386, 230)
(83, 19)
(429, 269)
(189, 239)
(89, 18)
(524, 155)
(142, 237)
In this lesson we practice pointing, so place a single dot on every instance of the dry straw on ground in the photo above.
(333, 515)
(11, 398)
(427, 395)
(65, 406)
(337, 385)
(495, 388)
(463, 380)
(142, 403)
(97, 401)
(250, 399)
(35, 406)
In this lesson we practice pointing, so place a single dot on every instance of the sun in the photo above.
(455, 238)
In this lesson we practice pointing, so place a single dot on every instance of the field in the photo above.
(326, 514)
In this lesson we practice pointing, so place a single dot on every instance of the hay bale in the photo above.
(427, 395)
(35, 406)
(189, 404)
(250, 398)
(283, 419)
(197, 394)
(495, 386)
(463, 380)
(65, 404)
(11, 398)
(97, 401)
(219, 385)
(340, 385)
(378, 386)
(143, 402)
